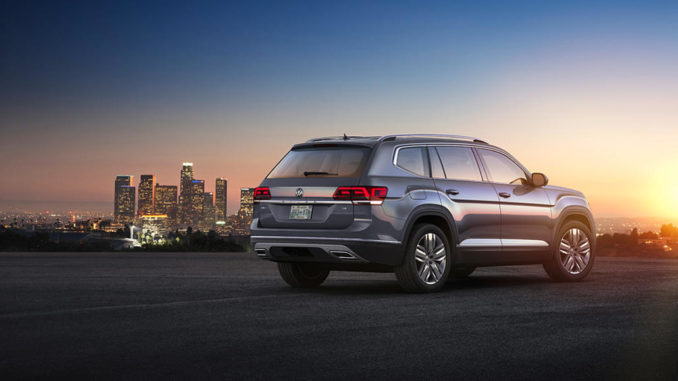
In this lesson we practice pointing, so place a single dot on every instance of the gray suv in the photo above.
(427, 207)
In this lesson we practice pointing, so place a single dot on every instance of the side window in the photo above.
(502, 169)
(459, 163)
(436, 166)
(413, 160)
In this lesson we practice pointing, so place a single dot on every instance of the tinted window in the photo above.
(413, 160)
(502, 169)
(436, 166)
(459, 163)
(322, 162)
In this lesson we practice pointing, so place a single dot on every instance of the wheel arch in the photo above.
(575, 213)
(435, 215)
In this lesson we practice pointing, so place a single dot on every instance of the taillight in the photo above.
(262, 193)
(360, 195)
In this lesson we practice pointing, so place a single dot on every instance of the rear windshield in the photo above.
(322, 162)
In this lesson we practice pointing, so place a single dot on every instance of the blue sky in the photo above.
(169, 53)
(94, 89)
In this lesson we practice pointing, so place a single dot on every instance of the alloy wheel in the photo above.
(575, 251)
(431, 258)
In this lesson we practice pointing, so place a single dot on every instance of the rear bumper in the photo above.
(354, 251)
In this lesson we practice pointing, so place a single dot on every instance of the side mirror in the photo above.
(539, 179)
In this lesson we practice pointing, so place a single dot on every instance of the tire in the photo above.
(303, 275)
(418, 256)
(573, 253)
(462, 272)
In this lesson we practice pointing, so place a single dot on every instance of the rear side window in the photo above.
(413, 160)
(459, 163)
(322, 162)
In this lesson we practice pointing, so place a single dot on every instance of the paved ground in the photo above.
(153, 316)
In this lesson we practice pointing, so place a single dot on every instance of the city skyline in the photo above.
(187, 203)
(230, 204)
(580, 91)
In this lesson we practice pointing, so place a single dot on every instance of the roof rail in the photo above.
(439, 136)
(345, 137)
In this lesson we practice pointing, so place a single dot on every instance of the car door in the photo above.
(525, 210)
(473, 202)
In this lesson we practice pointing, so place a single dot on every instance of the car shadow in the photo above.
(491, 281)
(385, 287)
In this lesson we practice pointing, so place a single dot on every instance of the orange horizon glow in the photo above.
(589, 101)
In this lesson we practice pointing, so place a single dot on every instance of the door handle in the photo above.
(504, 194)
(452, 192)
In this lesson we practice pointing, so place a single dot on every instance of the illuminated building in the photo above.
(128, 195)
(185, 194)
(154, 226)
(146, 195)
(207, 221)
(246, 205)
(166, 202)
(197, 195)
(123, 202)
(239, 225)
(220, 200)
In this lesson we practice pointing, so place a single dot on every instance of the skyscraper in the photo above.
(241, 222)
(246, 202)
(207, 221)
(185, 199)
(166, 202)
(128, 194)
(123, 199)
(220, 199)
(197, 195)
(146, 195)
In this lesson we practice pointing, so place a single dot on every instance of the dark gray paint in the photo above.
(474, 211)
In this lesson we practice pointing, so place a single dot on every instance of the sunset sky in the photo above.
(586, 92)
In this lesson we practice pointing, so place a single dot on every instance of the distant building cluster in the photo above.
(160, 209)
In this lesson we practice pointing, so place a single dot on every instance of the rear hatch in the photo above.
(303, 184)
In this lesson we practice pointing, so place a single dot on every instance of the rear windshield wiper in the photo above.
(317, 173)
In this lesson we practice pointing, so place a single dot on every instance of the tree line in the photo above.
(17, 240)
(631, 243)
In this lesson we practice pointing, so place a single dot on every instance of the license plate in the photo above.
(301, 212)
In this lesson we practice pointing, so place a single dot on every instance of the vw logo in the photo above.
(300, 192)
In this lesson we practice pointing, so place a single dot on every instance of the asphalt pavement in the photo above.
(230, 316)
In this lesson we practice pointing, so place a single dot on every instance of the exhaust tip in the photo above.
(343, 255)
(260, 252)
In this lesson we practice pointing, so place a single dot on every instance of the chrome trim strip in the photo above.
(425, 145)
(494, 242)
(302, 201)
(523, 243)
(319, 202)
(326, 239)
(340, 252)
(460, 144)
(309, 191)
(480, 242)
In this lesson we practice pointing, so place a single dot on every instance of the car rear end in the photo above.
(318, 206)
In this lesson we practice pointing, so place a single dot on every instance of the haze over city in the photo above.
(155, 225)
(583, 92)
